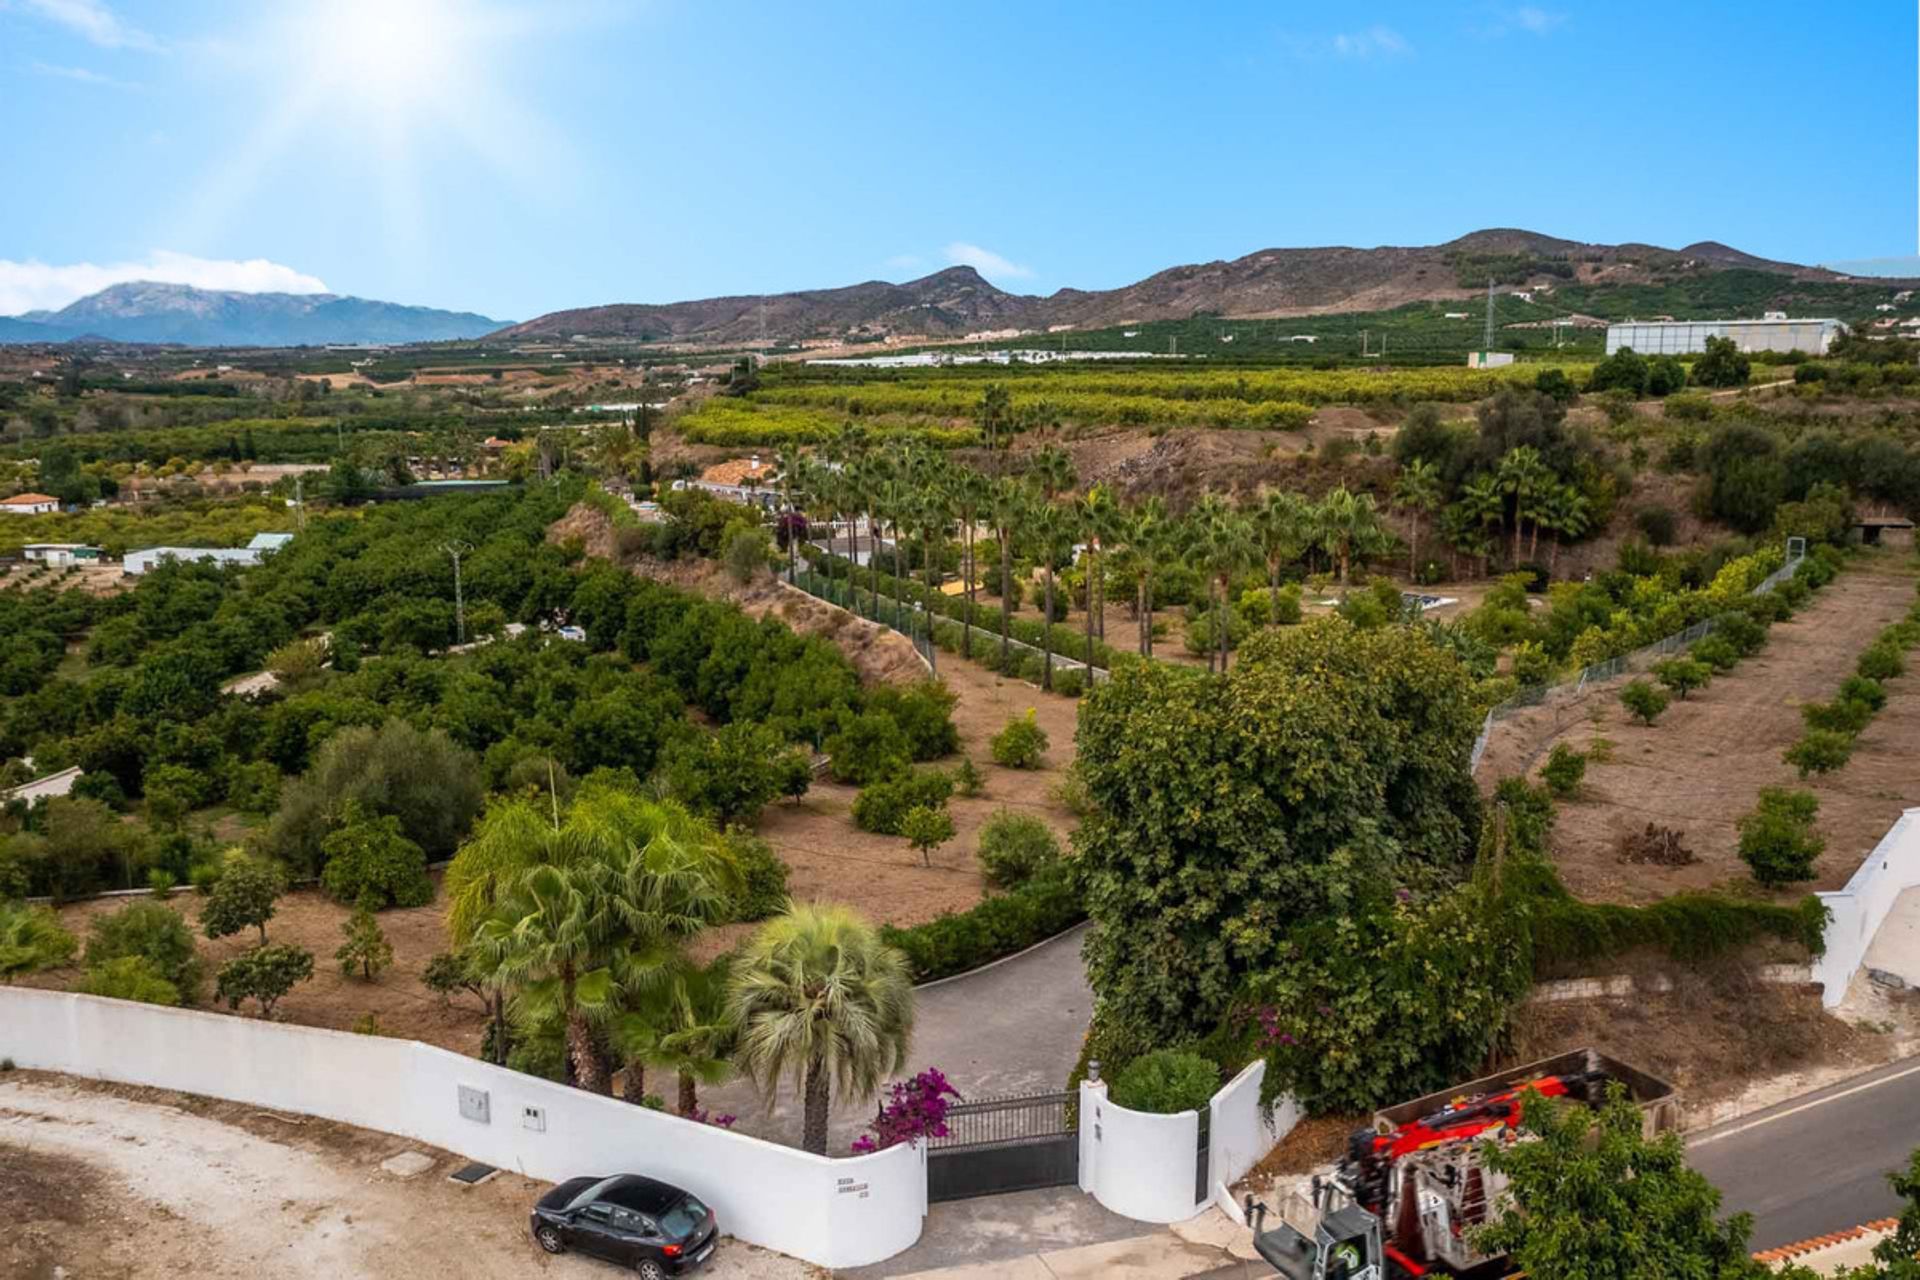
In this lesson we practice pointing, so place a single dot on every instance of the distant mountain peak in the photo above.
(182, 314)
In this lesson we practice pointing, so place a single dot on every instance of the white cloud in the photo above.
(1375, 42)
(985, 261)
(80, 74)
(93, 21)
(32, 286)
(1538, 21)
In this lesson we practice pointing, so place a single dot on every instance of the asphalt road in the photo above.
(1816, 1163)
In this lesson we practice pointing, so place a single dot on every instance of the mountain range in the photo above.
(178, 314)
(1270, 283)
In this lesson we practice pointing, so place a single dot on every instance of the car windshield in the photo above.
(683, 1219)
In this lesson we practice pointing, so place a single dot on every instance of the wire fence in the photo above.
(910, 619)
(1571, 690)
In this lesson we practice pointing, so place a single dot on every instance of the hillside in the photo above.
(145, 311)
(1269, 283)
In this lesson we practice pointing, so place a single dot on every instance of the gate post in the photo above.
(1093, 1093)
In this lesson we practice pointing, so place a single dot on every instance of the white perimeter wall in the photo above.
(836, 1213)
(1142, 1166)
(1859, 909)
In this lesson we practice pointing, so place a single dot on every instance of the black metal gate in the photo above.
(1004, 1144)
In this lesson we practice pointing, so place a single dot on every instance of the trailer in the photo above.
(1406, 1198)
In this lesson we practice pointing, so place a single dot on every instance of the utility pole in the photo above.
(456, 549)
(299, 502)
(1489, 342)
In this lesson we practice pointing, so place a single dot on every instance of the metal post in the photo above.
(456, 549)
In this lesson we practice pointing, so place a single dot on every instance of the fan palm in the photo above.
(1349, 527)
(684, 1026)
(1522, 476)
(821, 1001)
(1007, 509)
(1417, 490)
(1280, 522)
(1051, 530)
(1482, 503)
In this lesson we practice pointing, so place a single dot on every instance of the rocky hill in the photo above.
(1272, 282)
(145, 311)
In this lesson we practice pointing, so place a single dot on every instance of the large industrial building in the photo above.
(1686, 337)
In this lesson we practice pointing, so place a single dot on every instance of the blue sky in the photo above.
(514, 158)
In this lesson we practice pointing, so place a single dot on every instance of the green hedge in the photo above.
(1044, 906)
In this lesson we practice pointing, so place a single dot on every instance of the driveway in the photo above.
(1012, 1027)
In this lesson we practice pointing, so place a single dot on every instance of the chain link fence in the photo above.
(1565, 693)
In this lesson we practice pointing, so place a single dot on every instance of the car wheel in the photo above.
(549, 1239)
(651, 1270)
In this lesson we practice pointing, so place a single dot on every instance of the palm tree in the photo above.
(1051, 530)
(1567, 516)
(1522, 475)
(31, 939)
(1149, 540)
(1224, 544)
(993, 411)
(1007, 508)
(971, 495)
(1280, 524)
(573, 909)
(1481, 500)
(1417, 490)
(791, 463)
(1349, 528)
(684, 1027)
(1052, 470)
(821, 1001)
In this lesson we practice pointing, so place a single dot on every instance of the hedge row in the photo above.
(1044, 906)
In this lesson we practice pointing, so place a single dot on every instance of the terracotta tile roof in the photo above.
(27, 499)
(1801, 1248)
(736, 472)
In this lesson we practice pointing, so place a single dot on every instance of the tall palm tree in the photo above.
(971, 495)
(993, 412)
(1052, 470)
(1149, 539)
(792, 464)
(1051, 530)
(822, 1002)
(1007, 509)
(1418, 491)
(1522, 475)
(573, 908)
(684, 1026)
(1567, 515)
(1482, 500)
(1349, 528)
(1280, 523)
(1223, 545)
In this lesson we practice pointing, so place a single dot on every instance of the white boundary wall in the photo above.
(1142, 1166)
(1859, 909)
(835, 1213)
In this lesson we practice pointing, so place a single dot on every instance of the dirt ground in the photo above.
(1699, 768)
(112, 1181)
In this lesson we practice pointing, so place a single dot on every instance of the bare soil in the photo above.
(106, 1180)
(1700, 767)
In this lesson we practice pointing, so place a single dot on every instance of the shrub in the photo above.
(1864, 689)
(763, 879)
(1014, 847)
(370, 864)
(242, 897)
(926, 829)
(366, 948)
(1022, 744)
(1166, 1082)
(1838, 716)
(1044, 906)
(967, 778)
(1657, 525)
(1819, 751)
(1777, 840)
(924, 712)
(869, 747)
(1643, 701)
(1717, 652)
(263, 975)
(1880, 661)
(31, 939)
(1682, 675)
(1070, 683)
(1689, 407)
(1564, 770)
(129, 978)
(154, 933)
(1740, 630)
(883, 806)
(745, 549)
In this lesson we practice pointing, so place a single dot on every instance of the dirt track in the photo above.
(109, 1181)
(1700, 767)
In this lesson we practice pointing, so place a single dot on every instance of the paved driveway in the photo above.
(1014, 1027)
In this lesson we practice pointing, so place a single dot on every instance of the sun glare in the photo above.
(387, 56)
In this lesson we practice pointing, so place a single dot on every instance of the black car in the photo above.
(656, 1229)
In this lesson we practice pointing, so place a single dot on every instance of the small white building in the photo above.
(1489, 359)
(139, 562)
(61, 553)
(267, 542)
(30, 504)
